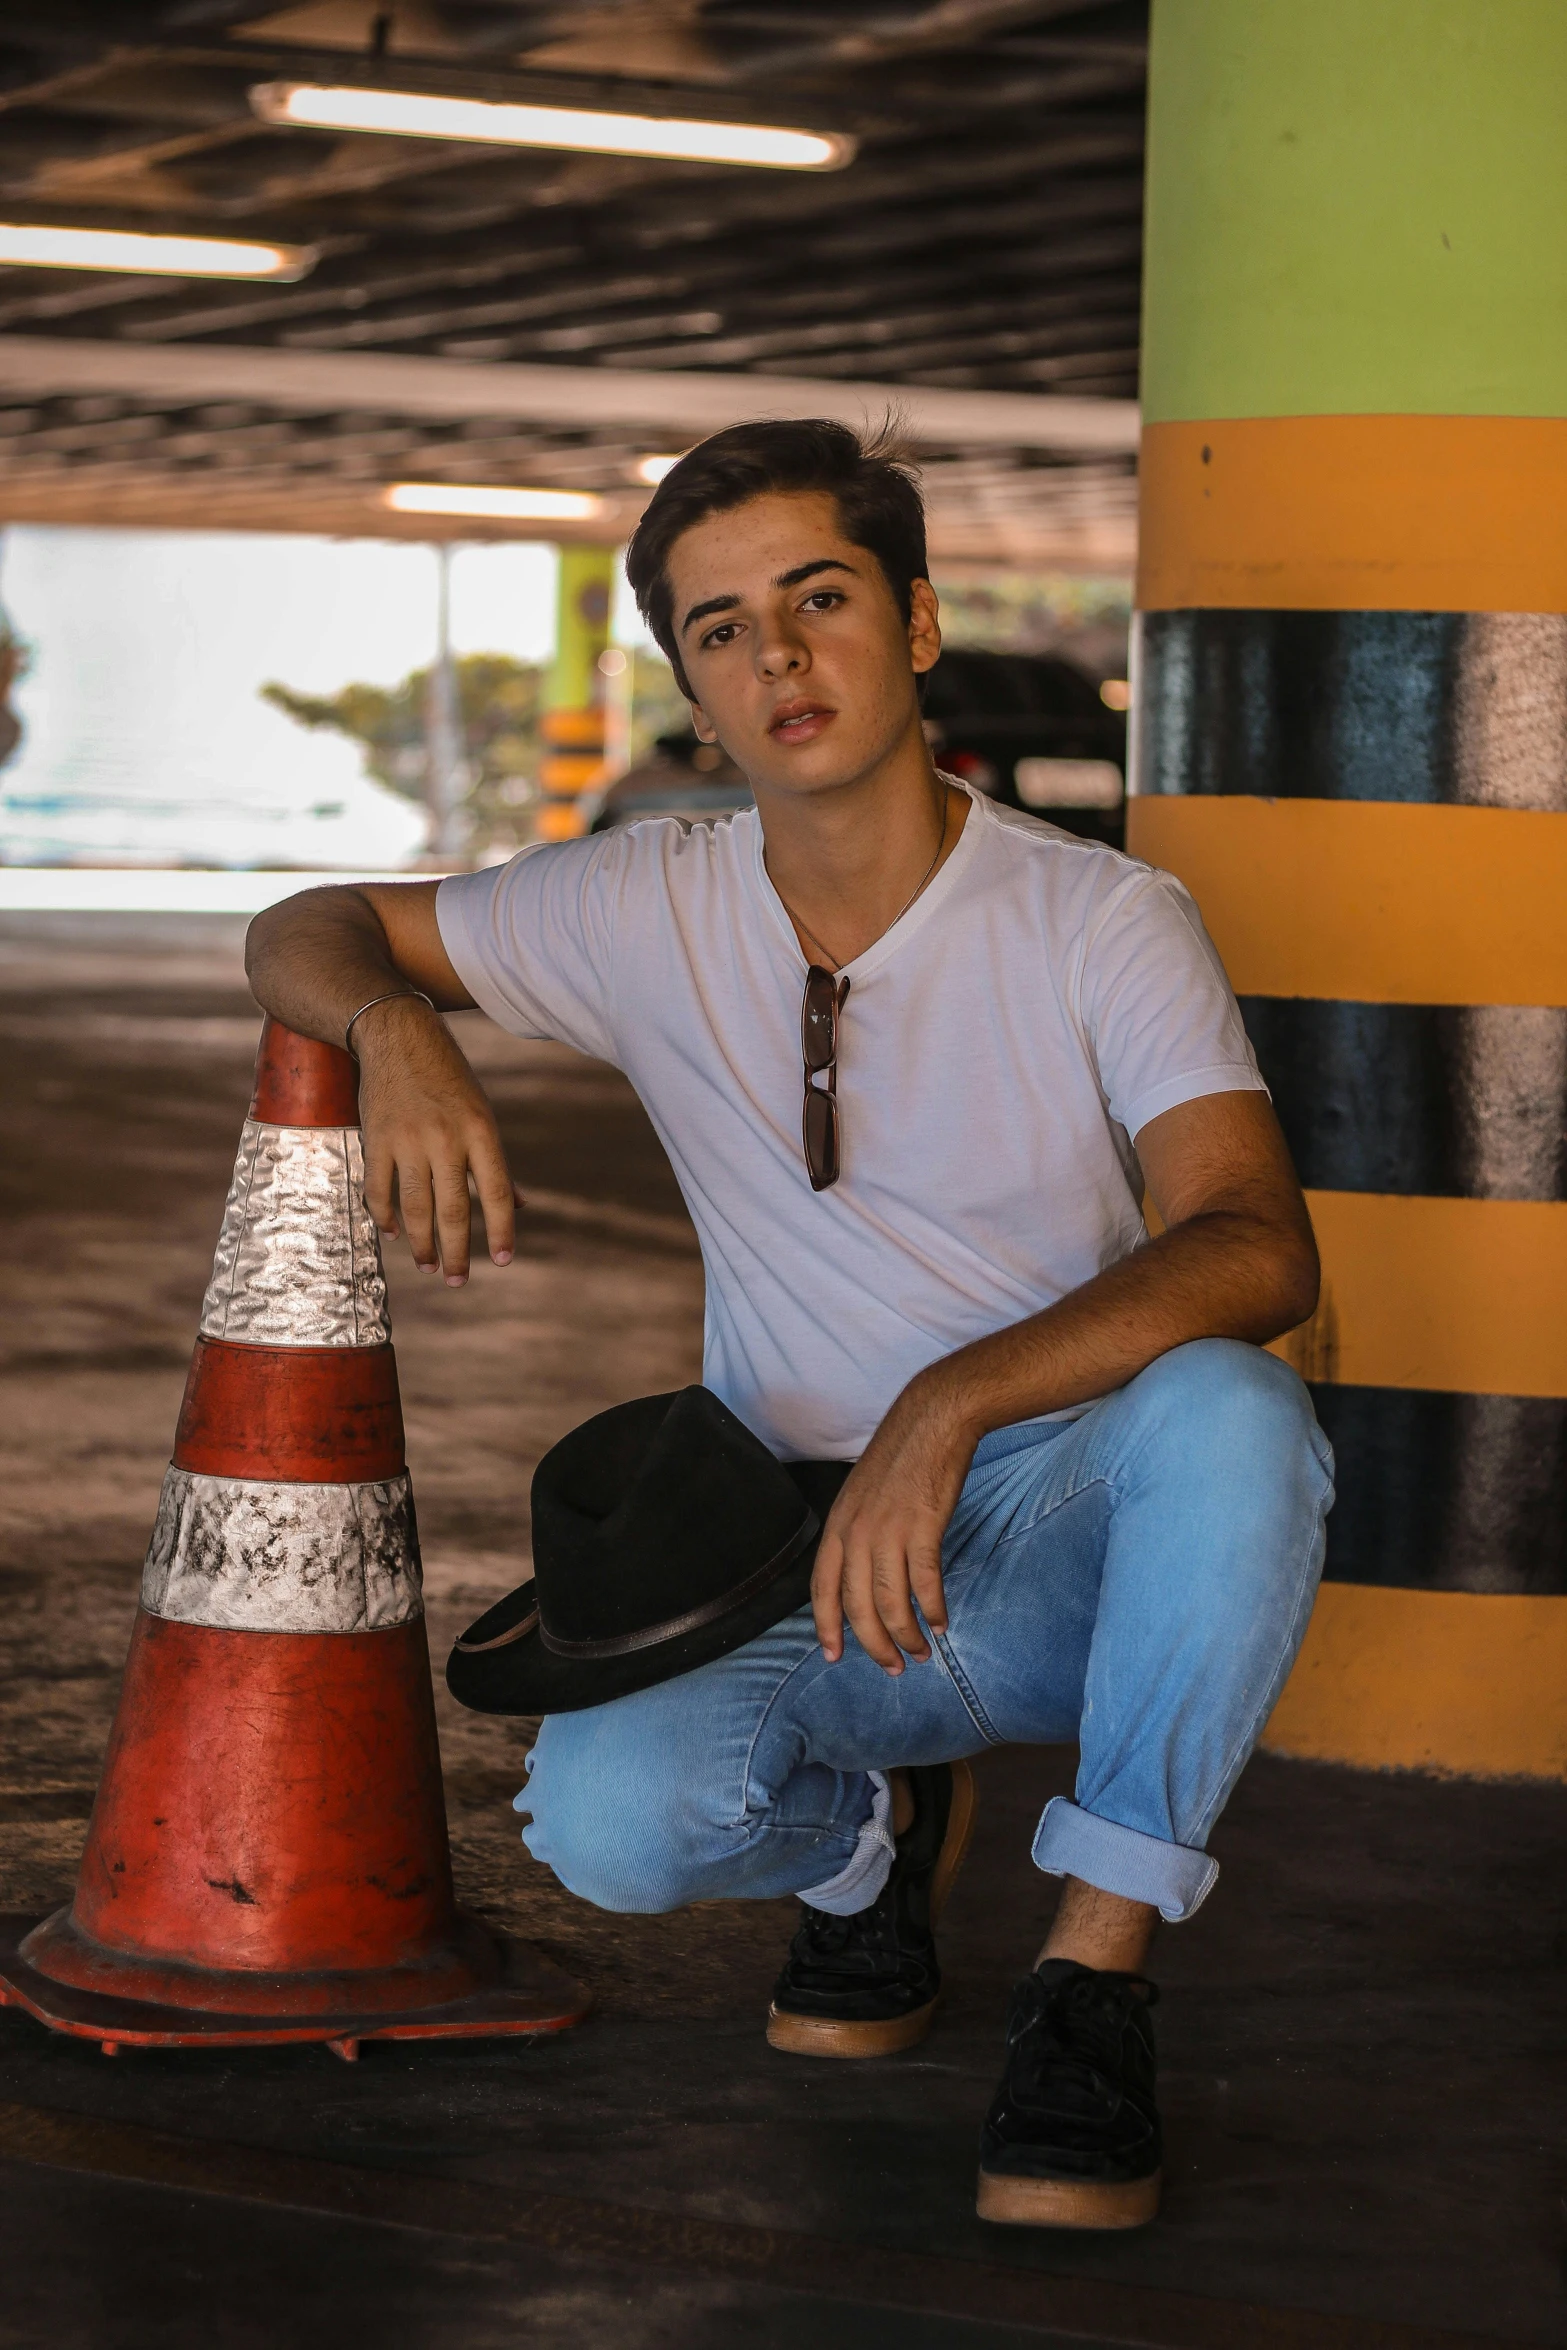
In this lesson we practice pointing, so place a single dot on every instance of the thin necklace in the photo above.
(801, 923)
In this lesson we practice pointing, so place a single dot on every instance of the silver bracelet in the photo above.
(393, 995)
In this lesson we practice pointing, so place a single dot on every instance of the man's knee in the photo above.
(1238, 1423)
(1219, 1390)
(606, 1820)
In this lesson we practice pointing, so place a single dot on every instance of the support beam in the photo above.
(675, 404)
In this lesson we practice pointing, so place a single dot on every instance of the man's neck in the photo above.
(847, 860)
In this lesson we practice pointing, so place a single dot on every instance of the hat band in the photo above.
(519, 1631)
(652, 1635)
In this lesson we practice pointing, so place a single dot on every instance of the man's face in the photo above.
(800, 661)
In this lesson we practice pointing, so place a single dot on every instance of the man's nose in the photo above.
(779, 652)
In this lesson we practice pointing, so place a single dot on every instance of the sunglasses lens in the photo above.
(819, 1019)
(820, 1136)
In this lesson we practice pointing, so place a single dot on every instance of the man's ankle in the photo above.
(1100, 1930)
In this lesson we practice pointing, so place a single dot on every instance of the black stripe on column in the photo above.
(1446, 1492)
(1452, 1101)
(1468, 707)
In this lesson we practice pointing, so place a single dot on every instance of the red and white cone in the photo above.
(267, 1857)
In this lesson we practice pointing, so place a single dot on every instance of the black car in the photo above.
(1034, 732)
(1027, 729)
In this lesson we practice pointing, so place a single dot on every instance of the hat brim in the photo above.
(500, 1665)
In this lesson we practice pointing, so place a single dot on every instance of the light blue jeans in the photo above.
(1138, 1579)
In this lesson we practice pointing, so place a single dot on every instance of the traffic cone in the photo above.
(267, 1857)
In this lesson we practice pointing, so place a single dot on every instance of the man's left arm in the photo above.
(1236, 1260)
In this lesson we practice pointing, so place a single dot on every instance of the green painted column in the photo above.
(573, 718)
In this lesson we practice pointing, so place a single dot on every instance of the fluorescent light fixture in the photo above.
(411, 114)
(25, 245)
(443, 497)
(653, 469)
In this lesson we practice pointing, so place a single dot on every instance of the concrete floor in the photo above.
(1361, 2032)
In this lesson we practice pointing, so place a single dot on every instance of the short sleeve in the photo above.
(533, 940)
(1160, 1014)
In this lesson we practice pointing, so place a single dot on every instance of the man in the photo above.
(1086, 1505)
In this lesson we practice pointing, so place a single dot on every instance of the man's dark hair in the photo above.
(879, 505)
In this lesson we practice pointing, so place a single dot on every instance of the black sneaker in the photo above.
(1072, 2140)
(868, 1985)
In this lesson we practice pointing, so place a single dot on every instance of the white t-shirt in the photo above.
(999, 1050)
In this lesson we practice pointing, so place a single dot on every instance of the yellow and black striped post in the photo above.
(1351, 742)
(572, 725)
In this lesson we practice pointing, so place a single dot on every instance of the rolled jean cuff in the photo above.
(860, 1880)
(1173, 1878)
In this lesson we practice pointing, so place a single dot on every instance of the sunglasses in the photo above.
(824, 1000)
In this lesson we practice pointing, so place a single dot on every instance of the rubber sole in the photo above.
(816, 2035)
(1016, 2202)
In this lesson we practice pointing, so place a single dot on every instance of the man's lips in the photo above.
(799, 722)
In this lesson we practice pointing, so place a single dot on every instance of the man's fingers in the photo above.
(497, 1197)
(416, 1202)
(860, 1606)
(873, 1580)
(894, 1603)
(379, 1170)
(925, 1576)
(827, 1596)
(454, 1220)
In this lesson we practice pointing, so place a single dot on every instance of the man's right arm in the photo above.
(313, 961)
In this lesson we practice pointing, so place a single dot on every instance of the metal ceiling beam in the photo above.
(675, 403)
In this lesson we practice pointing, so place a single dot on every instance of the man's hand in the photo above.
(882, 1547)
(427, 1128)
(314, 961)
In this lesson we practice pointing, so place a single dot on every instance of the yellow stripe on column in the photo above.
(1462, 1682)
(1370, 901)
(1354, 514)
(1464, 1295)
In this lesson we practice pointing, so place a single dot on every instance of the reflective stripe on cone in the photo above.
(247, 1555)
(298, 1262)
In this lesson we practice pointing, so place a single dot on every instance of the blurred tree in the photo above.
(498, 711)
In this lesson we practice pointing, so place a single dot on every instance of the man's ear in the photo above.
(924, 627)
(706, 731)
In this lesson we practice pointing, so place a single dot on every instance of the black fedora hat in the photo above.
(664, 1534)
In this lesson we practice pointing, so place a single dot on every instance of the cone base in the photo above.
(529, 1994)
(463, 1962)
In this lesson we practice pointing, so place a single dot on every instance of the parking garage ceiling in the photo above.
(983, 241)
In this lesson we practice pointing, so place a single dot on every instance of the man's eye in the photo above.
(720, 635)
(822, 599)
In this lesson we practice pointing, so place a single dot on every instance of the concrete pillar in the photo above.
(573, 719)
(1351, 742)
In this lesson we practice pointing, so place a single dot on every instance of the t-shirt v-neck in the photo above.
(896, 934)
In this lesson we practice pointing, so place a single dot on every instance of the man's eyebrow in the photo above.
(702, 611)
(809, 571)
(785, 579)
